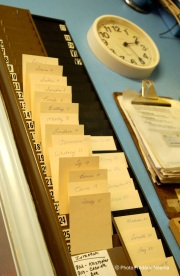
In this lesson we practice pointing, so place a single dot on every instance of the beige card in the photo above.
(54, 118)
(57, 130)
(140, 253)
(138, 235)
(39, 96)
(121, 184)
(87, 187)
(51, 88)
(116, 165)
(42, 70)
(133, 221)
(89, 175)
(35, 59)
(90, 222)
(59, 107)
(34, 79)
(74, 140)
(160, 267)
(124, 200)
(56, 152)
(108, 159)
(102, 143)
(65, 166)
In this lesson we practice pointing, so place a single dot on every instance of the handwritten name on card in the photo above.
(102, 143)
(94, 263)
(133, 221)
(123, 200)
(139, 235)
(51, 88)
(143, 252)
(89, 175)
(121, 184)
(59, 107)
(88, 187)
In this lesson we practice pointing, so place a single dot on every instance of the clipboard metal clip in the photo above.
(149, 96)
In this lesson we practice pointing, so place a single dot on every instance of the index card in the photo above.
(115, 163)
(133, 221)
(143, 252)
(86, 263)
(111, 158)
(65, 166)
(38, 69)
(90, 222)
(102, 143)
(159, 267)
(123, 200)
(45, 71)
(51, 88)
(35, 59)
(87, 187)
(59, 107)
(57, 130)
(74, 140)
(89, 175)
(56, 152)
(39, 96)
(121, 184)
(139, 235)
(54, 118)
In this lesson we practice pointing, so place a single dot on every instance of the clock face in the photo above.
(123, 46)
(125, 43)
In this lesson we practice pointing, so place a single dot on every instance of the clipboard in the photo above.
(167, 193)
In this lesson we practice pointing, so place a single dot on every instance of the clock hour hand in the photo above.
(126, 44)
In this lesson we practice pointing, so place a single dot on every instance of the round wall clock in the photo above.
(123, 46)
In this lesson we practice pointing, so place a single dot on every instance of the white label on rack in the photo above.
(94, 263)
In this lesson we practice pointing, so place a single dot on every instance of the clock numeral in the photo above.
(103, 34)
(136, 41)
(112, 50)
(107, 29)
(144, 48)
(133, 61)
(105, 42)
(145, 55)
(116, 28)
(126, 31)
(141, 60)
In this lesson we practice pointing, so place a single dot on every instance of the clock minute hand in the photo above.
(126, 44)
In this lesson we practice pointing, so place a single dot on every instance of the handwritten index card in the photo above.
(143, 252)
(90, 222)
(65, 166)
(97, 262)
(35, 60)
(133, 221)
(102, 143)
(127, 199)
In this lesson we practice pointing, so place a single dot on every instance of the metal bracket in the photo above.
(149, 96)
